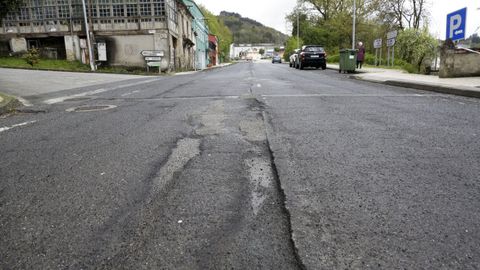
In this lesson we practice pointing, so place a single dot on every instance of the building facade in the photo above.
(213, 50)
(124, 28)
(200, 30)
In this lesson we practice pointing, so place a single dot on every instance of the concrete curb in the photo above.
(8, 104)
(451, 90)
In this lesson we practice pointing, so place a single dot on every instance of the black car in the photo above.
(276, 59)
(312, 56)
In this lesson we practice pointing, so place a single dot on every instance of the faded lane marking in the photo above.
(186, 150)
(350, 95)
(94, 92)
(25, 102)
(261, 178)
(2, 129)
(130, 93)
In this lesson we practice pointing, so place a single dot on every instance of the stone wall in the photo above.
(459, 63)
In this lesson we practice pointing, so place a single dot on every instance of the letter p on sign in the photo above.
(456, 24)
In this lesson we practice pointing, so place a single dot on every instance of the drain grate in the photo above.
(91, 108)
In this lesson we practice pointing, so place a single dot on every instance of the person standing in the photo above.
(360, 55)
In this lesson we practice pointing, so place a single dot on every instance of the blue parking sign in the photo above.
(456, 22)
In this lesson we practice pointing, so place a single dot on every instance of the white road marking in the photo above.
(348, 95)
(2, 129)
(130, 93)
(62, 99)
(94, 92)
(25, 102)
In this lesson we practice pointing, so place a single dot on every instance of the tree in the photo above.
(291, 44)
(416, 45)
(402, 13)
(218, 28)
(261, 51)
(7, 6)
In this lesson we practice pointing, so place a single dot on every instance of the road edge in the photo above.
(451, 90)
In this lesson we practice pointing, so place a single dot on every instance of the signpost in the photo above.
(456, 24)
(153, 58)
(377, 44)
(391, 38)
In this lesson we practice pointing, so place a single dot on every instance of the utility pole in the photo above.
(354, 23)
(298, 29)
(89, 44)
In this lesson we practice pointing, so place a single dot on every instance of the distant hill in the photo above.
(246, 30)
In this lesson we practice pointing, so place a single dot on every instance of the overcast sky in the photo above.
(272, 12)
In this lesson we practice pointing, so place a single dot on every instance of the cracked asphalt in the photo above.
(251, 166)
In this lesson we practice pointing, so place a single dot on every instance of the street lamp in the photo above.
(298, 29)
(354, 23)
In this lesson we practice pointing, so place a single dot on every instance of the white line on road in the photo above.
(94, 92)
(130, 93)
(25, 102)
(2, 129)
(348, 95)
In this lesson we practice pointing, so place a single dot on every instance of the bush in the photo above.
(333, 58)
(32, 57)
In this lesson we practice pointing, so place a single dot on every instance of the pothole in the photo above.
(91, 108)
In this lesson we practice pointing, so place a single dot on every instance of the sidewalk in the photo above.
(469, 86)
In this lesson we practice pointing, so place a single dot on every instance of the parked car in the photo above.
(276, 59)
(311, 56)
(293, 57)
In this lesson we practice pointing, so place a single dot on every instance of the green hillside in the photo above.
(246, 30)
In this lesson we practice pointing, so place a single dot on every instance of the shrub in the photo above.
(333, 58)
(32, 56)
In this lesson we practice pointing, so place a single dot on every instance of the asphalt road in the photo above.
(252, 166)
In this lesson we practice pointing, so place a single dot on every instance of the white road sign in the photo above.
(390, 42)
(154, 64)
(153, 53)
(377, 44)
(153, 58)
(392, 34)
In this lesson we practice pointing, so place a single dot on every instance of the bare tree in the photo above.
(402, 13)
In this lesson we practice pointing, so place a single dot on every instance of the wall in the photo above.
(18, 45)
(125, 50)
(455, 63)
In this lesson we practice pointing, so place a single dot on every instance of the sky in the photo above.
(272, 12)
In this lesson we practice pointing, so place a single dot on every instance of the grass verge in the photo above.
(8, 103)
(74, 66)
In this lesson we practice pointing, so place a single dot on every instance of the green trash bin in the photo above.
(348, 60)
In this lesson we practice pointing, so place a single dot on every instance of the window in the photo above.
(104, 10)
(23, 14)
(118, 11)
(63, 12)
(37, 13)
(159, 9)
(50, 12)
(145, 10)
(132, 10)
